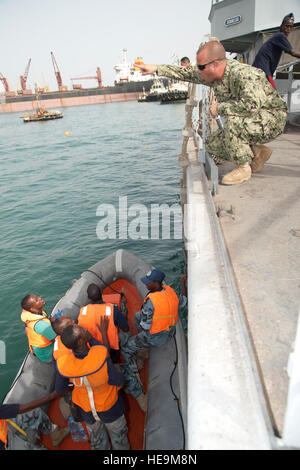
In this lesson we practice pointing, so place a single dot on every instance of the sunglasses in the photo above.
(202, 67)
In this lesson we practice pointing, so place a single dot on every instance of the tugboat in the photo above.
(156, 92)
(143, 97)
(176, 92)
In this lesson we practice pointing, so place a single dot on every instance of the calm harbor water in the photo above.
(51, 187)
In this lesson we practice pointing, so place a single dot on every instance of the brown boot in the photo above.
(261, 155)
(142, 400)
(240, 174)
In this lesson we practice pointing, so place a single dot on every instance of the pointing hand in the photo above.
(147, 69)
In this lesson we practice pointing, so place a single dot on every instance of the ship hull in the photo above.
(125, 92)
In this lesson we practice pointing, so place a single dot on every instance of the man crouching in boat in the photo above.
(97, 382)
(156, 324)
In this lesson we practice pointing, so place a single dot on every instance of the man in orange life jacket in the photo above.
(89, 317)
(59, 324)
(38, 327)
(156, 323)
(96, 386)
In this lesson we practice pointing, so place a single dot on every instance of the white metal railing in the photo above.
(198, 126)
(211, 168)
(190, 145)
(289, 68)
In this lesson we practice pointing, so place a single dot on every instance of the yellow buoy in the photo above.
(67, 133)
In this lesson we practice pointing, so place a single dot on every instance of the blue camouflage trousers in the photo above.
(129, 345)
(117, 431)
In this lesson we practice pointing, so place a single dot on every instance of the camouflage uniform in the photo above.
(255, 113)
(129, 344)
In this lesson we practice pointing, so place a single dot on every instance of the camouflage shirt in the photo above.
(243, 90)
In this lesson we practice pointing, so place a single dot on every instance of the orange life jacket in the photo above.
(35, 339)
(59, 349)
(90, 377)
(89, 317)
(3, 431)
(165, 303)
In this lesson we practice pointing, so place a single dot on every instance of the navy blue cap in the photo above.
(290, 16)
(154, 275)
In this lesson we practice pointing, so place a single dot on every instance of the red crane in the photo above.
(23, 78)
(4, 81)
(97, 77)
(56, 71)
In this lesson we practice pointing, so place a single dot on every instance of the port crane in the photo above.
(61, 87)
(23, 78)
(4, 81)
(97, 77)
(38, 87)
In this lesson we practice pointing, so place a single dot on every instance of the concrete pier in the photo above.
(242, 247)
(260, 221)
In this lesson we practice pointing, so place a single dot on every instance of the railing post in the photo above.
(290, 82)
(189, 152)
(289, 68)
(211, 168)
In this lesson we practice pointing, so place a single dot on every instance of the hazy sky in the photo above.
(85, 34)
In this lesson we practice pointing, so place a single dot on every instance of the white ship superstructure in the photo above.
(128, 72)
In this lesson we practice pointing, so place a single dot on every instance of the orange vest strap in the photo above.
(92, 392)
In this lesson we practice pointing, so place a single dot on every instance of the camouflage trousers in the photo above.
(33, 423)
(240, 133)
(117, 431)
(129, 345)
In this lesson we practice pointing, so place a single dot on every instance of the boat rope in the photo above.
(174, 394)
